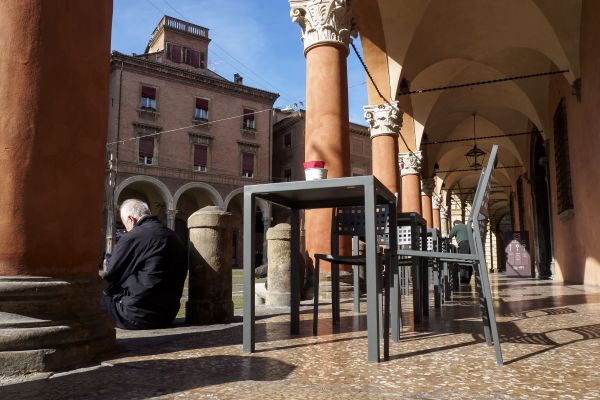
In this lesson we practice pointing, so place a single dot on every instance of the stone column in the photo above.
(427, 186)
(410, 170)
(53, 119)
(444, 220)
(435, 205)
(171, 219)
(266, 224)
(278, 275)
(326, 29)
(210, 291)
(385, 121)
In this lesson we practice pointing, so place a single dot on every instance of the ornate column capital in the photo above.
(443, 212)
(324, 21)
(427, 186)
(410, 163)
(383, 119)
(436, 202)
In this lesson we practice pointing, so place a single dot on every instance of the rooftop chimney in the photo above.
(237, 78)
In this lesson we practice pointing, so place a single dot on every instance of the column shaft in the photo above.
(326, 131)
(411, 193)
(427, 210)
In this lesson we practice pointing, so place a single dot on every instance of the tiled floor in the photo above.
(550, 336)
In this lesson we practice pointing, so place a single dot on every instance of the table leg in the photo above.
(248, 253)
(294, 274)
(372, 276)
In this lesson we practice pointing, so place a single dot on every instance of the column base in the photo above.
(208, 312)
(49, 324)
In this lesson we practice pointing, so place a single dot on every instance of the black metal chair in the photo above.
(350, 221)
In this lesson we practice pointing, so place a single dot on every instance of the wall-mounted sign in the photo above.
(517, 257)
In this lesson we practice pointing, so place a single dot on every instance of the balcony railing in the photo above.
(183, 26)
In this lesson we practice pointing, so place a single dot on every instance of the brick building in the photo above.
(180, 136)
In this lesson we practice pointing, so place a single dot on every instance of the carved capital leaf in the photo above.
(383, 119)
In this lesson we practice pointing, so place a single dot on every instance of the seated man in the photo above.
(462, 238)
(145, 273)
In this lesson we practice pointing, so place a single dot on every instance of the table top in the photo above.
(325, 193)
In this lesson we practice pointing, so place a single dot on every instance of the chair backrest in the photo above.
(479, 213)
(350, 221)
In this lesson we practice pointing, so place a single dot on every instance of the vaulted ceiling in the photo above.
(411, 45)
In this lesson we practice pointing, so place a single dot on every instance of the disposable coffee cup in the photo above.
(315, 170)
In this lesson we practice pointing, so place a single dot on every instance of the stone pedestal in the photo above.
(48, 324)
(210, 290)
(278, 275)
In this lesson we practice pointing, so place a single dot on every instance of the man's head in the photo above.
(457, 222)
(132, 210)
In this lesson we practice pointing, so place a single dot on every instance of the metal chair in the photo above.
(350, 221)
(477, 222)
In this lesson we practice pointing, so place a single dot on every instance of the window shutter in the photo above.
(287, 140)
(149, 92)
(200, 155)
(194, 58)
(248, 163)
(169, 52)
(202, 104)
(176, 53)
(248, 115)
(202, 60)
(147, 147)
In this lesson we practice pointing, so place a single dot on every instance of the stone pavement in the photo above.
(550, 339)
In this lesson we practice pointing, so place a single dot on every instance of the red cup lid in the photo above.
(314, 164)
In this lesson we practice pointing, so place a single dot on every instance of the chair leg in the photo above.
(335, 293)
(316, 297)
(355, 270)
(386, 309)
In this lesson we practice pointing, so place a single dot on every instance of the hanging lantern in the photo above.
(475, 156)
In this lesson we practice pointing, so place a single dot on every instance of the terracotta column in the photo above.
(427, 186)
(326, 29)
(385, 121)
(410, 170)
(435, 205)
(53, 118)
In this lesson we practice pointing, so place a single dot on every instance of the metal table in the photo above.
(328, 193)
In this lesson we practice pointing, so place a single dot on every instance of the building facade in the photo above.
(180, 136)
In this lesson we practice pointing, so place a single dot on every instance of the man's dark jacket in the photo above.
(148, 265)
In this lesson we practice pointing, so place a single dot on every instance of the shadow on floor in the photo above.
(143, 379)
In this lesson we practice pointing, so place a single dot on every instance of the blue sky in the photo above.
(254, 38)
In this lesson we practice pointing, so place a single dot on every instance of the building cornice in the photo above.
(167, 71)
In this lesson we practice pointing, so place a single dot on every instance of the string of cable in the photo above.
(478, 169)
(478, 83)
(187, 127)
(481, 138)
(378, 91)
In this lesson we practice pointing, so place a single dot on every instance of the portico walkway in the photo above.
(550, 339)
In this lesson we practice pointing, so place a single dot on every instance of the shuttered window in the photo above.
(248, 119)
(148, 98)
(248, 164)
(287, 140)
(146, 150)
(564, 201)
(200, 156)
(201, 111)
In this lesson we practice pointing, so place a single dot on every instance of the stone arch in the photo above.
(188, 199)
(164, 190)
(213, 194)
(149, 189)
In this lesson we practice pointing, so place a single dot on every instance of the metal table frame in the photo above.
(328, 193)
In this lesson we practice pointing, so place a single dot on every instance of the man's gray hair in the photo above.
(135, 208)
(458, 221)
